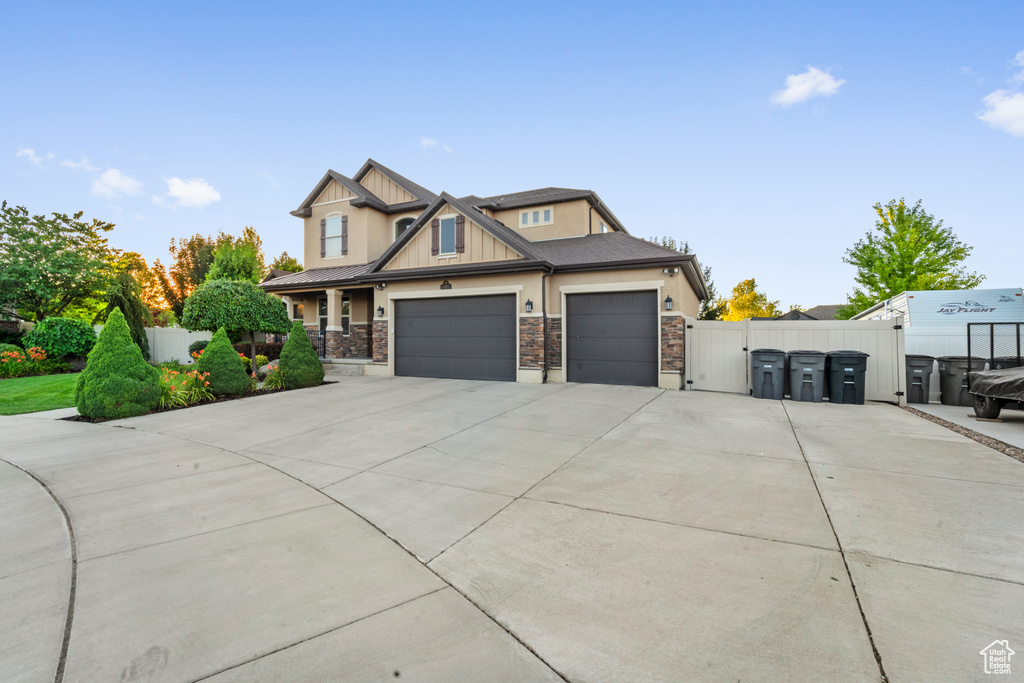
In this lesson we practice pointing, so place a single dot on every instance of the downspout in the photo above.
(590, 219)
(544, 321)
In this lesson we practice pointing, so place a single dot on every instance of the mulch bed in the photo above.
(995, 444)
(218, 399)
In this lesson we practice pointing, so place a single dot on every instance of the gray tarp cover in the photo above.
(1008, 384)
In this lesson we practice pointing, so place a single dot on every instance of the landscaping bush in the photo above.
(117, 382)
(16, 362)
(268, 349)
(62, 337)
(227, 372)
(11, 347)
(299, 363)
(197, 346)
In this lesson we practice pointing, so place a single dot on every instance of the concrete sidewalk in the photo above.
(450, 530)
(1009, 428)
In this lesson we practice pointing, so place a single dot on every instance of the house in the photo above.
(403, 281)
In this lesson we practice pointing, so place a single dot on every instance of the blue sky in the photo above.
(186, 117)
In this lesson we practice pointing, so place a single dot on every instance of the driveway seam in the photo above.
(681, 525)
(318, 635)
(73, 592)
(914, 474)
(842, 553)
(156, 481)
(864, 554)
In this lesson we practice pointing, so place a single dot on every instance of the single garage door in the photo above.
(469, 337)
(612, 338)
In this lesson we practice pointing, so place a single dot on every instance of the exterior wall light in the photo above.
(446, 285)
(529, 306)
(668, 303)
(380, 311)
(382, 285)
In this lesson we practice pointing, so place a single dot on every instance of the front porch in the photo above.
(338, 322)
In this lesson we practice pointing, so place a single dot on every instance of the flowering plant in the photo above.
(274, 379)
(182, 389)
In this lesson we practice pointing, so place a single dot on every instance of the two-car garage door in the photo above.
(609, 337)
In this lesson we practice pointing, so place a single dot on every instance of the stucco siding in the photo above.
(684, 300)
(570, 219)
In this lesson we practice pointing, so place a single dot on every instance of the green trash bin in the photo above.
(919, 377)
(807, 375)
(953, 382)
(767, 373)
(847, 372)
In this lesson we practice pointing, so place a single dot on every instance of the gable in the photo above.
(334, 191)
(384, 188)
(481, 247)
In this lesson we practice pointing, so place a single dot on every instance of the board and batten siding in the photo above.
(333, 192)
(384, 188)
(481, 247)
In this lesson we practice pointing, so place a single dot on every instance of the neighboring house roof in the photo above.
(409, 186)
(276, 273)
(795, 314)
(824, 312)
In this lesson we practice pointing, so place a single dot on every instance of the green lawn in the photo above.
(32, 394)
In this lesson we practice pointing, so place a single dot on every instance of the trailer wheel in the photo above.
(987, 407)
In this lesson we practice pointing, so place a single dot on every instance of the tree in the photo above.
(236, 261)
(117, 381)
(747, 302)
(299, 363)
(909, 250)
(48, 265)
(124, 294)
(227, 372)
(236, 305)
(286, 262)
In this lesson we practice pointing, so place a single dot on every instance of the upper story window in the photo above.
(402, 224)
(604, 227)
(332, 236)
(532, 217)
(447, 236)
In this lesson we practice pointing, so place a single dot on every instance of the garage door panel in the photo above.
(457, 337)
(612, 338)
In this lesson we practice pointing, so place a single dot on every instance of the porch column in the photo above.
(335, 333)
(287, 305)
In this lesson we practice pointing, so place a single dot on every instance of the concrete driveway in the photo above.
(413, 529)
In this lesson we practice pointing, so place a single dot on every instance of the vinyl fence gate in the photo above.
(718, 352)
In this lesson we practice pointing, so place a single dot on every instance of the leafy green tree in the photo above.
(124, 294)
(909, 250)
(299, 363)
(236, 261)
(192, 259)
(237, 305)
(747, 302)
(117, 382)
(286, 262)
(48, 265)
(227, 372)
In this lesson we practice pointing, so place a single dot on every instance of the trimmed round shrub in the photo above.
(62, 337)
(227, 373)
(11, 347)
(197, 346)
(117, 382)
(299, 363)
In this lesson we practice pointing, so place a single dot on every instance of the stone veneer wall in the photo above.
(531, 343)
(355, 345)
(10, 326)
(673, 331)
(380, 341)
(554, 342)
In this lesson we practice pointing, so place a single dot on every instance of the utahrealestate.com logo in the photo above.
(997, 657)
(963, 307)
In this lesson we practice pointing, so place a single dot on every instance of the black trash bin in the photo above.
(767, 373)
(847, 372)
(919, 378)
(1004, 362)
(807, 375)
(953, 382)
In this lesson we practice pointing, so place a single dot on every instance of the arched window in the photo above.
(402, 224)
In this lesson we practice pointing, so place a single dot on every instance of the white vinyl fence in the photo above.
(718, 352)
(951, 341)
(169, 343)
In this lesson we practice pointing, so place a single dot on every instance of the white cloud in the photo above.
(194, 192)
(1018, 60)
(430, 143)
(1004, 111)
(966, 70)
(802, 87)
(34, 158)
(82, 165)
(112, 184)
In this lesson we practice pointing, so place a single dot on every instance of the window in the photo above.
(532, 217)
(447, 236)
(344, 315)
(296, 311)
(332, 241)
(401, 225)
(604, 228)
(322, 312)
